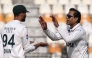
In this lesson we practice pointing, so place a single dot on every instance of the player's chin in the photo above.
(67, 23)
(22, 20)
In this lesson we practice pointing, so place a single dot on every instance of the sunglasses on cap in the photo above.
(69, 16)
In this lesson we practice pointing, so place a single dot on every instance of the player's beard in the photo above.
(23, 19)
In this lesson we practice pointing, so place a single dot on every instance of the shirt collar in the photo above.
(75, 27)
(16, 21)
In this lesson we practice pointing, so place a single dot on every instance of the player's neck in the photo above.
(73, 25)
(17, 18)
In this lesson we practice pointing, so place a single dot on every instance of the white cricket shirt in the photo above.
(75, 38)
(15, 40)
(1, 48)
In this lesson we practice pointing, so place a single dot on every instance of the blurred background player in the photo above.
(15, 36)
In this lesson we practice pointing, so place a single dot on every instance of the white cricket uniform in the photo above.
(76, 40)
(15, 40)
(1, 48)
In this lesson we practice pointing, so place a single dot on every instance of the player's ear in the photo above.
(76, 19)
(21, 14)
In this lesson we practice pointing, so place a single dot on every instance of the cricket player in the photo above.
(75, 36)
(15, 36)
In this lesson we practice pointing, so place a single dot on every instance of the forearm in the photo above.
(42, 44)
(37, 45)
(64, 34)
(52, 35)
(33, 47)
(29, 48)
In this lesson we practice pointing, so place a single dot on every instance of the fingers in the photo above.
(43, 44)
(41, 19)
(40, 22)
(53, 18)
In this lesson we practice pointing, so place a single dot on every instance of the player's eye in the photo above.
(69, 16)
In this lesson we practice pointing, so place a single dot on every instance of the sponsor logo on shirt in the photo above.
(70, 44)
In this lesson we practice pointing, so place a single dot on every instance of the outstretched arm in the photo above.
(51, 35)
(68, 37)
(42, 44)
(27, 45)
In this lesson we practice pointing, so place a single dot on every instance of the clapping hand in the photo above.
(54, 21)
(43, 23)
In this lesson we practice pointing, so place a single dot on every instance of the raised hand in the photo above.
(43, 23)
(54, 21)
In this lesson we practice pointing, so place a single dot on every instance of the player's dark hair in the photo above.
(19, 9)
(16, 14)
(76, 14)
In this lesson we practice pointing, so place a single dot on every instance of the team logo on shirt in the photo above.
(27, 36)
